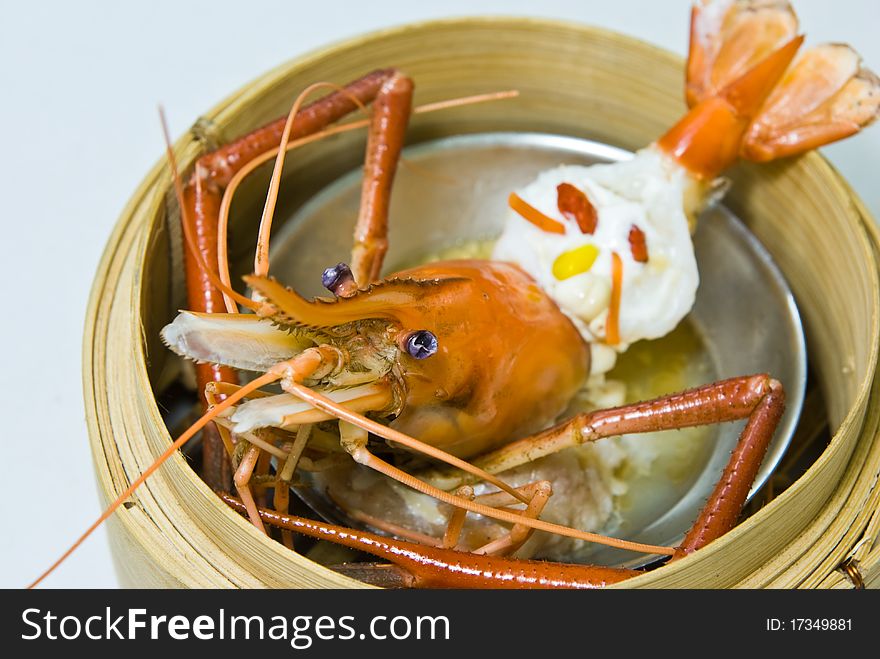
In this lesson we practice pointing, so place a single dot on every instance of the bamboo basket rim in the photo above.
(863, 553)
(187, 148)
(870, 385)
(278, 72)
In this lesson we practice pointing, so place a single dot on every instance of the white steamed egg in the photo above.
(642, 199)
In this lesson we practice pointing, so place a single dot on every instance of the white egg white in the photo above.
(648, 192)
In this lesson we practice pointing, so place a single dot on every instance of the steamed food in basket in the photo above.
(466, 355)
(472, 365)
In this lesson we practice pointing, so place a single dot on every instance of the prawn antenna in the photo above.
(188, 434)
(189, 239)
(261, 258)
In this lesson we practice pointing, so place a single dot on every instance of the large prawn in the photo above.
(471, 362)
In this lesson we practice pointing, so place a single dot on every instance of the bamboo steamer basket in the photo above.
(573, 80)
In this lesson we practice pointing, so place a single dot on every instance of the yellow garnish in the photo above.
(575, 261)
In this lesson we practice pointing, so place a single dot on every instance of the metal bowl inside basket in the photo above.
(455, 189)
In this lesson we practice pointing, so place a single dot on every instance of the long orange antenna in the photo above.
(261, 258)
(240, 175)
(262, 381)
(187, 232)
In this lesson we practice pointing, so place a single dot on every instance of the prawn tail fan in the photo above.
(824, 94)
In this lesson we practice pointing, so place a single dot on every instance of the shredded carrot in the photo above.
(612, 325)
(533, 215)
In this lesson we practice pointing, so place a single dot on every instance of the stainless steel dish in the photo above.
(455, 189)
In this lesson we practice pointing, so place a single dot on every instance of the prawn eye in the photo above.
(337, 278)
(420, 344)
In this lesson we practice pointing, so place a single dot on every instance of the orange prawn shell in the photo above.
(508, 360)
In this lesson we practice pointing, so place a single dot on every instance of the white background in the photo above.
(79, 85)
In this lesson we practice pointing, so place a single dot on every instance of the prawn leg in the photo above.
(354, 435)
(725, 504)
(202, 196)
(284, 476)
(436, 567)
(456, 520)
(390, 117)
(758, 398)
(322, 357)
(516, 538)
(719, 402)
(241, 480)
(219, 166)
(440, 567)
(537, 493)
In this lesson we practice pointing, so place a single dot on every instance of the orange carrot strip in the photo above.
(534, 216)
(612, 326)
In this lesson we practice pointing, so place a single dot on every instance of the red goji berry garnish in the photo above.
(574, 205)
(637, 244)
